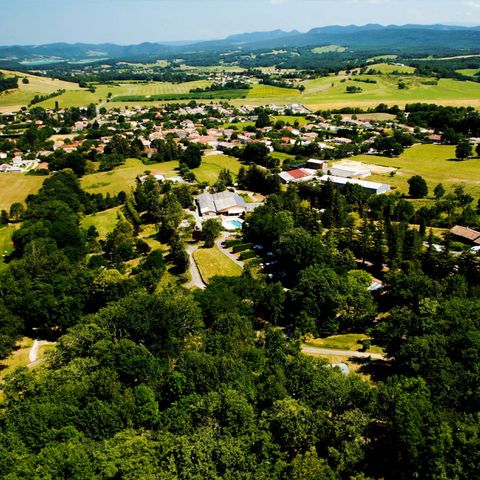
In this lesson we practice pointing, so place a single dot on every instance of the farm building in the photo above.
(373, 187)
(466, 234)
(317, 164)
(298, 175)
(223, 203)
(349, 171)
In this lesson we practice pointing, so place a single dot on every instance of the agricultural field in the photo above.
(12, 100)
(212, 262)
(388, 68)
(469, 72)
(435, 163)
(104, 221)
(79, 98)
(123, 177)
(329, 49)
(15, 187)
(212, 165)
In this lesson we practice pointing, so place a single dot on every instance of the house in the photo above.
(229, 203)
(373, 187)
(298, 175)
(6, 168)
(466, 234)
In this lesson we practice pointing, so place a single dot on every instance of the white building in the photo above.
(229, 203)
(373, 187)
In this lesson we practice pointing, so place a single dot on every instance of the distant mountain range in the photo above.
(365, 38)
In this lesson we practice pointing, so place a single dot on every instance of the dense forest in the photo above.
(174, 384)
(7, 83)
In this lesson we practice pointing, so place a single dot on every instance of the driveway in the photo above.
(196, 281)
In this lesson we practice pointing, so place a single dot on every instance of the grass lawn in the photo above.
(469, 72)
(212, 165)
(15, 187)
(291, 119)
(434, 163)
(348, 341)
(6, 233)
(19, 357)
(282, 156)
(104, 221)
(123, 177)
(212, 262)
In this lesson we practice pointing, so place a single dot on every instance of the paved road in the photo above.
(33, 354)
(342, 353)
(196, 281)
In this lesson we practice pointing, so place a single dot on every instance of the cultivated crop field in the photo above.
(435, 163)
(15, 187)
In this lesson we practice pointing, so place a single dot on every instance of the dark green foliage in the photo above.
(417, 187)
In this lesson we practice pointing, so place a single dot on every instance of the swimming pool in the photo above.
(232, 223)
(236, 223)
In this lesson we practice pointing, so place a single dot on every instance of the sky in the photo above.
(27, 22)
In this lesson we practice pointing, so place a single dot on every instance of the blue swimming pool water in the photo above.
(236, 223)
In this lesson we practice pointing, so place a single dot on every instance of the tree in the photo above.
(211, 229)
(255, 153)
(463, 150)
(16, 211)
(439, 191)
(4, 217)
(477, 150)
(417, 187)
(192, 156)
(263, 120)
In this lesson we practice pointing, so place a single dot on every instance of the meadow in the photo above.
(104, 221)
(435, 163)
(212, 262)
(123, 177)
(15, 187)
(12, 100)
(213, 164)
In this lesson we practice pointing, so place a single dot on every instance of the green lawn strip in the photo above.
(348, 341)
(212, 262)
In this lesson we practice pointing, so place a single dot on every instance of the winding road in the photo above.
(196, 281)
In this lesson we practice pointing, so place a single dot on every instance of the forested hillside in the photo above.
(167, 383)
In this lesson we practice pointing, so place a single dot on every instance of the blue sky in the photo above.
(135, 21)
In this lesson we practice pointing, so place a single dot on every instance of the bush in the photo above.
(247, 255)
(241, 247)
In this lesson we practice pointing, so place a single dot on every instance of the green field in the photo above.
(12, 100)
(348, 341)
(104, 221)
(15, 187)
(212, 262)
(469, 72)
(387, 68)
(123, 177)
(222, 94)
(325, 92)
(6, 245)
(435, 163)
(212, 165)
(329, 49)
